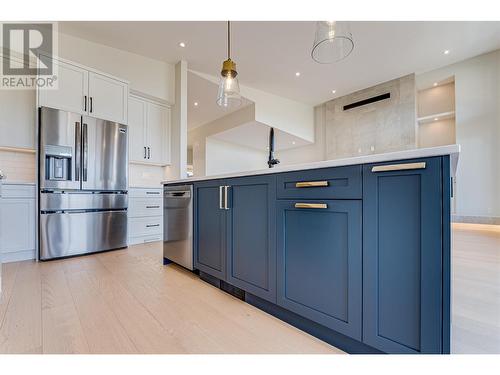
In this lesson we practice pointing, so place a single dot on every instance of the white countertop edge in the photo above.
(452, 150)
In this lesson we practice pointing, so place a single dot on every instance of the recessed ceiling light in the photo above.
(334, 91)
(435, 118)
(182, 44)
(297, 74)
(446, 51)
(293, 142)
(196, 104)
(435, 84)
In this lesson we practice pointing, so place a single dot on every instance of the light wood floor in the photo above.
(125, 301)
(476, 289)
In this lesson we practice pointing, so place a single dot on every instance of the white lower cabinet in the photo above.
(145, 215)
(17, 222)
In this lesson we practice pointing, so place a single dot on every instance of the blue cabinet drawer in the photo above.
(327, 183)
(319, 273)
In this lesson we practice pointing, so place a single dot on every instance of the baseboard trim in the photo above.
(492, 220)
(18, 256)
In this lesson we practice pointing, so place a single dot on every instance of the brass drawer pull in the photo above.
(311, 205)
(398, 167)
(311, 184)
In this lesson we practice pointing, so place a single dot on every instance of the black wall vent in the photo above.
(374, 99)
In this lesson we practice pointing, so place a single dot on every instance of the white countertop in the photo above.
(452, 150)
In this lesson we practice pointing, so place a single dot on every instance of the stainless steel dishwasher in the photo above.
(178, 225)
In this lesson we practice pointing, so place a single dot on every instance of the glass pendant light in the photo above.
(228, 95)
(333, 42)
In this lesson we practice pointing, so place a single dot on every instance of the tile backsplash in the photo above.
(18, 166)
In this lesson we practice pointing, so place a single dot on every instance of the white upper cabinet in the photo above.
(82, 90)
(71, 91)
(149, 124)
(137, 129)
(158, 133)
(107, 98)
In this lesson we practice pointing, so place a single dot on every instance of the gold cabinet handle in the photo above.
(311, 184)
(311, 205)
(398, 167)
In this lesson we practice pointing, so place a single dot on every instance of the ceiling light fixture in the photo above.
(196, 104)
(435, 84)
(334, 91)
(446, 51)
(228, 95)
(182, 44)
(435, 118)
(297, 74)
(333, 42)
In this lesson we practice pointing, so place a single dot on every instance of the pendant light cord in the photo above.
(228, 40)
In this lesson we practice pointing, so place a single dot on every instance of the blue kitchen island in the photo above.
(354, 251)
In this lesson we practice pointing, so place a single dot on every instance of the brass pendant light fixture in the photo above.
(228, 95)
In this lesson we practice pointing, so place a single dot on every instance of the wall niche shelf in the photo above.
(438, 116)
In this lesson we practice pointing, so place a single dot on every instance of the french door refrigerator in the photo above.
(83, 179)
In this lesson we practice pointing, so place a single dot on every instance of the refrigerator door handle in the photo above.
(78, 150)
(85, 151)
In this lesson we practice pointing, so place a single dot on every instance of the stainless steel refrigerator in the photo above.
(83, 179)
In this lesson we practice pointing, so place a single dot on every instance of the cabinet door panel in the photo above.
(402, 251)
(137, 129)
(17, 224)
(209, 229)
(72, 84)
(108, 98)
(251, 235)
(157, 133)
(319, 263)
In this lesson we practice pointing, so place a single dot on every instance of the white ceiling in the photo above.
(204, 93)
(256, 135)
(269, 53)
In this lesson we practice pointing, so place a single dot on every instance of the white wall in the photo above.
(477, 108)
(309, 153)
(224, 157)
(197, 137)
(293, 117)
(178, 132)
(152, 77)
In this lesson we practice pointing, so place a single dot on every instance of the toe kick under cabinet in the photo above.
(145, 215)
(358, 256)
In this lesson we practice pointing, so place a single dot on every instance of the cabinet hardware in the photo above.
(145, 155)
(85, 151)
(398, 167)
(225, 197)
(311, 205)
(152, 206)
(152, 192)
(220, 197)
(91, 105)
(311, 184)
(149, 153)
(85, 103)
(78, 149)
(152, 225)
